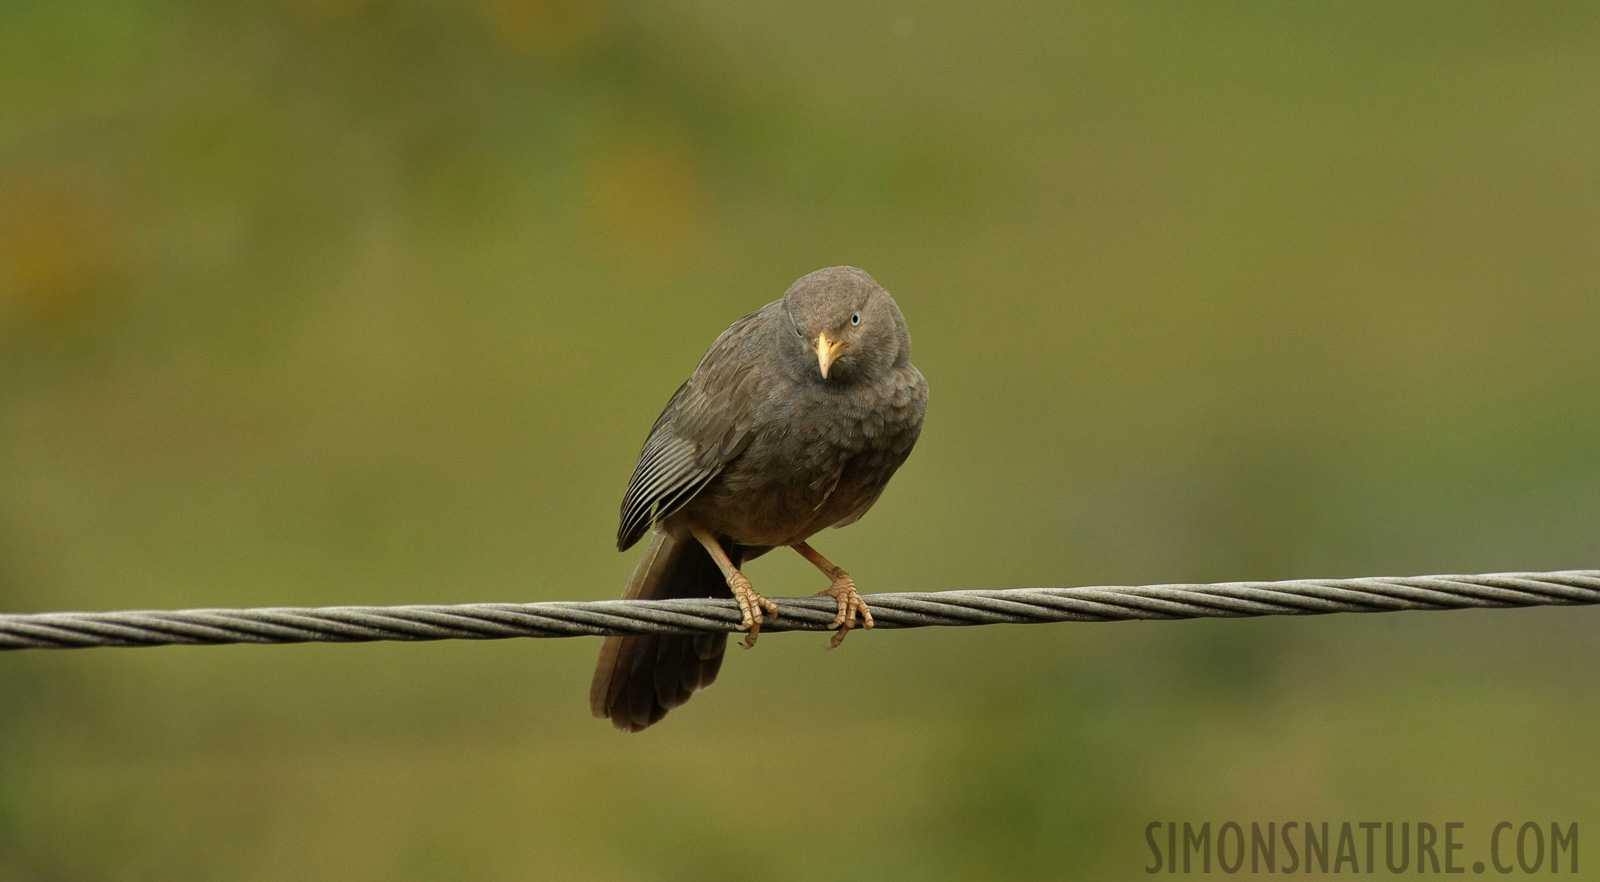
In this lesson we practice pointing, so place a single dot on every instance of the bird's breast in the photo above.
(819, 458)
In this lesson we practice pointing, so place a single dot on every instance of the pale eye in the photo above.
(855, 318)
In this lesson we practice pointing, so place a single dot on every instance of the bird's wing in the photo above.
(706, 424)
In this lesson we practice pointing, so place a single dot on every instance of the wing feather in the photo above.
(704, 427)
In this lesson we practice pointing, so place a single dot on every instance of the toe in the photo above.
(838, 638)
(852, 610)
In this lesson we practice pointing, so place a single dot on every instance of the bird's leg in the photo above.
(842, 590)
(751, 604)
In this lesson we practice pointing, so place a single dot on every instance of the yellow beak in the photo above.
(827, 350)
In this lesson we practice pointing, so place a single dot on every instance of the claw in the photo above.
(751, 607)
(843, 590)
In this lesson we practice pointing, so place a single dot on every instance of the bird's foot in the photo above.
(844, 591)
(752, 606)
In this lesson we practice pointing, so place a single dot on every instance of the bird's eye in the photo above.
(855, 318)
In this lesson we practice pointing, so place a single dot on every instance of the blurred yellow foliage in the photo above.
(646, 197)
(551, 28)
(53, 255)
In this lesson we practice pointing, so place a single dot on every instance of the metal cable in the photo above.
(495, 621)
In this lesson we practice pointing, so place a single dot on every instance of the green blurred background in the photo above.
(373, 301)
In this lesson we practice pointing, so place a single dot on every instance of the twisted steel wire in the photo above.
(495, 621)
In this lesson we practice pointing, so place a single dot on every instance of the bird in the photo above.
(793, 421)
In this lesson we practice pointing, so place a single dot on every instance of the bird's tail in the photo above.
(639, 678)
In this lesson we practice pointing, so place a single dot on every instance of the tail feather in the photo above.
(639, 678)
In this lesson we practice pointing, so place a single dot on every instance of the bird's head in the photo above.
(843, 326)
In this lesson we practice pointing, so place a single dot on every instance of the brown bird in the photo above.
(794, 421)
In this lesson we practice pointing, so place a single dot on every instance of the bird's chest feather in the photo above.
(820, 457)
